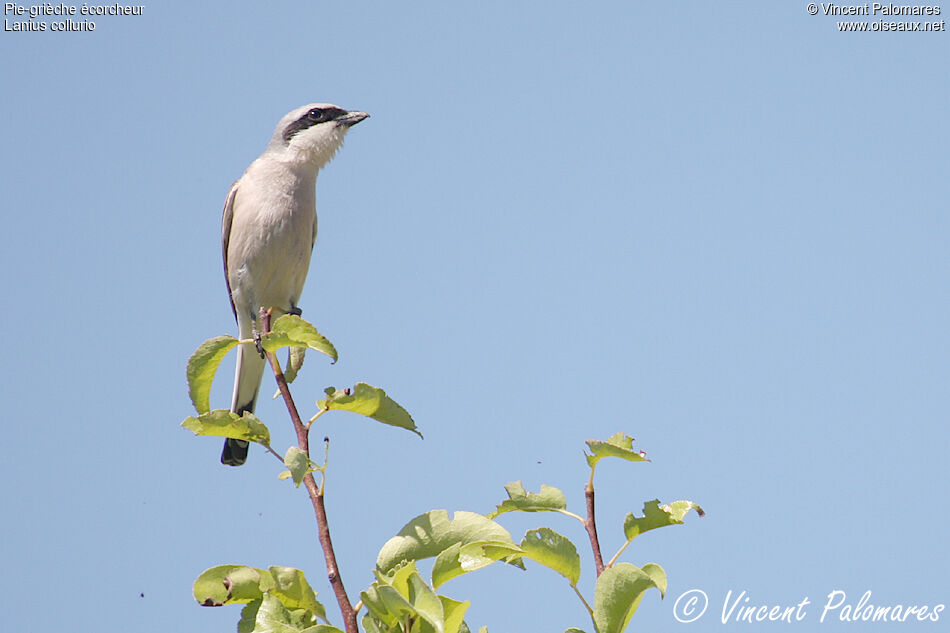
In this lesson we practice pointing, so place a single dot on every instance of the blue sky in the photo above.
(719, 227)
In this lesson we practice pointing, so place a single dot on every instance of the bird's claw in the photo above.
(258, 345)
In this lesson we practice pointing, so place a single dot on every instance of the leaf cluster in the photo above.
(400, 599)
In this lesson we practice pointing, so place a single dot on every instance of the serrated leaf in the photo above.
(548, 499)
(291, 330)
(369, 401)
(429, 534)
(293, 590)
(618, 592)
(617, 445)
(298, 463)
(223, 423)
(202, 367)
(656, 516)
(557, 552)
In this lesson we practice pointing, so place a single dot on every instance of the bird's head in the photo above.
(313, 133)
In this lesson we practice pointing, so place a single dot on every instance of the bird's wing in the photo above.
(226, 220)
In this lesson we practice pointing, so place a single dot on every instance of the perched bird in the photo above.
(268, 232)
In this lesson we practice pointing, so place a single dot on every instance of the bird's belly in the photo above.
(276, 266)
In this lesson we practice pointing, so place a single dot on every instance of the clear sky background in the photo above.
(719, 227)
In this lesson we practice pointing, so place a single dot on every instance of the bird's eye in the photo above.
(316, 114)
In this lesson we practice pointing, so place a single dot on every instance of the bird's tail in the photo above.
(247, 382)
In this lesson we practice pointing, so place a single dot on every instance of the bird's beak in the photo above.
(352, 118)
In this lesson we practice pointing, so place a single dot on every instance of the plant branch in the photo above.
(591, 525)
(316, 494)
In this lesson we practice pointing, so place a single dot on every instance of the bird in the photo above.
(268, 230)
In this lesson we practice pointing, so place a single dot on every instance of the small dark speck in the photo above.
(141, 595)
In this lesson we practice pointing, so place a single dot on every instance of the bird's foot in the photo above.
(257, 343)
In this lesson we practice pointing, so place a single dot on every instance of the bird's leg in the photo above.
(294, 310)
(257, 343)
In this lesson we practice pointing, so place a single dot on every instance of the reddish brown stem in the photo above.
(316, 493)
(591, 526)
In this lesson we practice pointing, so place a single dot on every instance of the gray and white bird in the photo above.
(268, 232)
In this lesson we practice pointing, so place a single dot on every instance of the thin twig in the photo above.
(613, 560)
(591, 524)
(579, 595)
(316, 494)
(274, 453)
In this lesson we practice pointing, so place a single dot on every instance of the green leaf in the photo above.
(656, 573)
(454, 613)
(461, 559)
(295, 357)
(547, 547)
(201, 369)
(270, 615)
(573, 630)
(371, 624)
(617, 445)
(371, 402)
(429, 534)
(223, 423)
(656, 516)
(426, 603)
(447, 565)
(522, 501)
(293, 590)
(299, 464)
(377, 608)
(259, 589)
(618, 592)
(231, 584)
(291, 330)
(210, 589)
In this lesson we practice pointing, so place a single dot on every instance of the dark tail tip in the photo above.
(234, 453)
